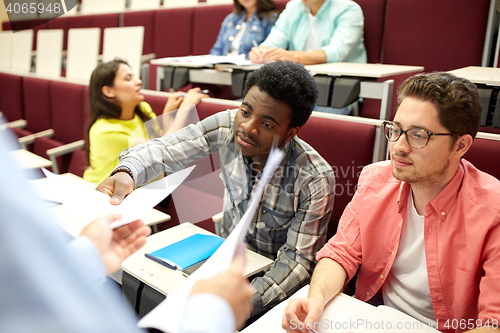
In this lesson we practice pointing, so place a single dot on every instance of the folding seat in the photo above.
(99, 7)
(374, 14)
(66, 100)
(11, 100)
(485, 155)
(145, 4)
(206, 25)
(49, 52)
(433, 34)
(83, 52)
(347, 147)
(124, 43)
(145, 18)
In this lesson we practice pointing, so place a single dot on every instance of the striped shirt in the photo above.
(292, 218)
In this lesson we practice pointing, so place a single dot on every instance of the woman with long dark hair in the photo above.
(119, 118)
(248, 25)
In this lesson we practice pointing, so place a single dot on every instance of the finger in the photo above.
(119, 193)
(127, 229)
(110, 218)
(313, 315)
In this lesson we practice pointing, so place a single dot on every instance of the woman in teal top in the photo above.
(120, 119)
(314, 32)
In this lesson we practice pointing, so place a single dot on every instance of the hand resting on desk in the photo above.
(116, 245)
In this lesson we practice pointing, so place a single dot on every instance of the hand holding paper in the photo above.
(86, 204)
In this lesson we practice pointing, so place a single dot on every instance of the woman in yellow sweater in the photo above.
(119, 118)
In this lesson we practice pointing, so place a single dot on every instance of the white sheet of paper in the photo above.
(344, 314)
(86, 204)
(211, 59)
(167, 315)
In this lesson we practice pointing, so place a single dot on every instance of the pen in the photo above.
(204, 91)
(256, 45)
(161, 261)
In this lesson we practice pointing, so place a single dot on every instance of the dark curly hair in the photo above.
(455, 98)
(287, 82)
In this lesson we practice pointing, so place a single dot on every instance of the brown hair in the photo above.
(456, 99)
(264, 8)
(101, 106)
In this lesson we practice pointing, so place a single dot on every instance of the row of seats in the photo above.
(82, 54)
(62, 106)
(427, 33)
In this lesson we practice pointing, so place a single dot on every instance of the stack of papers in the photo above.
(209, 60)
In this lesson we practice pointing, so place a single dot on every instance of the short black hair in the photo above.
(287, 82)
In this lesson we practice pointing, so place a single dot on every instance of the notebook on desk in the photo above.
(188, 253)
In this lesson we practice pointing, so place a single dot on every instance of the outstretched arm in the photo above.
(327, 280)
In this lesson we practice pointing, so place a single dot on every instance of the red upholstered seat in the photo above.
(281, 4)
(78, 162)
(207, 21)
(147, 20)
(485, 155)
(36, 104)
(157, 102)
(374, 13)
(347, 147)
(66, 101)
(172, 32)
(11, 96)
(439, 35)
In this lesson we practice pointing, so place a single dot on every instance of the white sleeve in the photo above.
(207, 313)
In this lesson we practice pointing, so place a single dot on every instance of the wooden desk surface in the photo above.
(29, 160)
(362, 70)
(165, 280)
(475, 74)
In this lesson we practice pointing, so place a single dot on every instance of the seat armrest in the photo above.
(217, 218)
(29, 139)
(63, 150)
(20, 123)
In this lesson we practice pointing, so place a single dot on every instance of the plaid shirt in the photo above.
(291, 222)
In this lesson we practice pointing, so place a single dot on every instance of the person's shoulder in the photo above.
(307, 158)
(294, 5)
(231, 17)
(378, 175)
(220, 119)
(343, 6)
(482, 187)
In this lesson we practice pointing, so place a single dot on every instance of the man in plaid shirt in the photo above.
(291, 222)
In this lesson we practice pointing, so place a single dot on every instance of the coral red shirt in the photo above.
(462, 241)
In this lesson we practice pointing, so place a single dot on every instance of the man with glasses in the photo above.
(424, 227)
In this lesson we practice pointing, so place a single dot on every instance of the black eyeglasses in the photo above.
(416, 137)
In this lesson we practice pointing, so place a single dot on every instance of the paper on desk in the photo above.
(85, 204)
(168, 314)
(211, 59)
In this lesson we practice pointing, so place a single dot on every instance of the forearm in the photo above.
(308, 57)
(284, 278)
(327, 280)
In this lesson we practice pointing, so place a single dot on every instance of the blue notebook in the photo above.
(187, 252)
